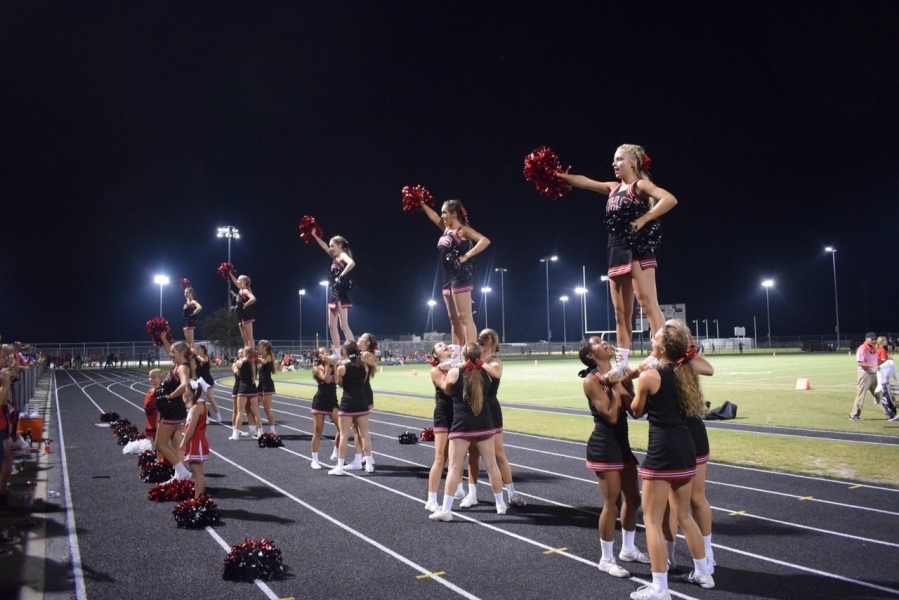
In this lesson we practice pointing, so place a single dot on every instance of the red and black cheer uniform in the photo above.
(266, 383)
(339, 290)
(608, 448)
(171, 409)
(246, 314)
(620, 253)
(443, 410)
(246, 385)
(354, 401)
(467, 425)
(204, 372)
(457, 277)
(325, 399)
(490, 398)
(190, 319)
(671, 454)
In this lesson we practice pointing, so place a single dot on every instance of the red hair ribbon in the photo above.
(646, 162)
(687, 356)
(471, 366)
(185, 283)
(433, 361)
(464, 214)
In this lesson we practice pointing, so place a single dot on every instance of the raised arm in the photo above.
(435, 218)
(451, 378)
(585, 183)
(321, 243)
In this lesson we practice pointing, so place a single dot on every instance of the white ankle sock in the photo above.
(315, 456)
(341, 463)
(510, 489)
(432, 496)
(460, 490)
(625, 353)
(608, 553)
(447, 503)
(707, 542)
(660, 582)
(498, 497)
(627, 540)
(369, 459)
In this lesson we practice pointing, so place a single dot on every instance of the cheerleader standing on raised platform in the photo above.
(246, 308)
(609, 456)
(324, 403)
(668, 395)
(489, 343)
(630, 271)
(194, 445)
(472, 427)
(266, 363)
(458, 245)
(204, 372)
(191, 309)
(353, 411)
(339, 288)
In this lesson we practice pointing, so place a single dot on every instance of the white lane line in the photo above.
(807, 499)
(71, 527)
(406, 561)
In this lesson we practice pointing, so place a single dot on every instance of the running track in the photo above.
(776, 535)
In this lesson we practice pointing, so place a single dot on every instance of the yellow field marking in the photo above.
(434, 574)
(854, 487)
(737, 512)
(555, 550)
(801, 498)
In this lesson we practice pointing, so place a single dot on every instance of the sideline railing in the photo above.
(22, 389)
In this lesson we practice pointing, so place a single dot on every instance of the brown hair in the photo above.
(676, 342)
(473, 383)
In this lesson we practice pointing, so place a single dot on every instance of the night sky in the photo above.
(131, 131)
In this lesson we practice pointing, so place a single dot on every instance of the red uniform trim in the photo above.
(472, 435)
(670, 475)
(702, 459)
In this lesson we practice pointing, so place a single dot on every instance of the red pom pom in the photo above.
(185, 283)
(415, 196)
(541, 166)
(173, 491)
(427, 434)
(225, 269)
(307, 226)
(158, 327)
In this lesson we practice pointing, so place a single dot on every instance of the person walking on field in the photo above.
(866, 355)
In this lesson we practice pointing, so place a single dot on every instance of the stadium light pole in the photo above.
(229, 232)
(706, 321)
(582, 292)
(546, 260)
(767, 285)
(608, 301)
(836, 304)
(564, 300)
(161, 280)
(324, 284)
(431, 304)
(717, 331)
(485, 290)
(696, 323)
(302, 293)
(502, 297)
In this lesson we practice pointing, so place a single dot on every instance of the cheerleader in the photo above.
(489, 342)
(339, 290)
(472, 427)
(609, 456)
(236, 407)
(324, 403)
(353, 411)
(630, 272)
(668, 395)
(458, 245)
(247, 394)
(245, 305)
(266, 362)
(367, 346)
(441, 356)
(190, 310)
(171, 407)
(204, 373)
(193, 445)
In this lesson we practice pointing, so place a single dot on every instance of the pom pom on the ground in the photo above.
(618, 223)
(138, 446)
(185, 283)
(196, 513)
(541, 166)
(146, 458)
(158, 327)
(307, 226)
(414, 196)
(270, 440)
(427, 434)
(108, 417)
(408, 437)
(254, 560)
(128, 434)
(173, 491)
(225, 269)
(157, 472)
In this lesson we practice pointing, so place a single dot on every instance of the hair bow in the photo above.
(471, 366)
(687, 356)
(646, 162)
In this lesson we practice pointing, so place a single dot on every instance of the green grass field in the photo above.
(763, 387)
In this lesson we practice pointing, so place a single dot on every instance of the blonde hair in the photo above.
(155, 373)
(637, 153)
(473, 384)
(494, 338)
(339, 239)
(676, 342)
(245, 279)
